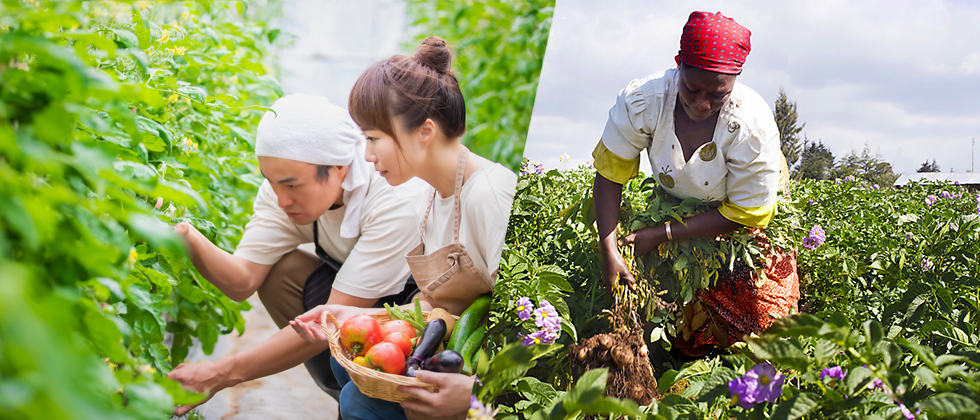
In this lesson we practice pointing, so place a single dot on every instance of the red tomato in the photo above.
(398, 326)
(387, 358)
(359, 333)
(401, 340)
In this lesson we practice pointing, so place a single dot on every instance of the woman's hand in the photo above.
(606, 198)
(308, 325)
(613, 266)
(645, 240)
(453, 396)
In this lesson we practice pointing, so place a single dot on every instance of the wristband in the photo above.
(667, 229)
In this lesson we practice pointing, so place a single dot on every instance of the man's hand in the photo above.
(453, 396)
(308, 325)
(202, 377)
(236, 277)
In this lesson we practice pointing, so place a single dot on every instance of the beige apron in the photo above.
(447, 277)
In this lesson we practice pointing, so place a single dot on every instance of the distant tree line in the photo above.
(814, 160)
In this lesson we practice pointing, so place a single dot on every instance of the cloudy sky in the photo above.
(900, 76)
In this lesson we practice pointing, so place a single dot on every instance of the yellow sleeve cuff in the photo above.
(613, 167)
(757, 217)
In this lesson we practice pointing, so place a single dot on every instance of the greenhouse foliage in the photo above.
(116, 120)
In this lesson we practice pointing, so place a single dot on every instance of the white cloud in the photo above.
(901, 76)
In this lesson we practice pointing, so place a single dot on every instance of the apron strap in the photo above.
(324, 258)
(460, 168)
(425, 218)
(316, 242)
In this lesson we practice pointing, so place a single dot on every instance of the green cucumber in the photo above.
(472, 344)
(468, 322)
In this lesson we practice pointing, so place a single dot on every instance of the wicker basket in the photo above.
(372, 383)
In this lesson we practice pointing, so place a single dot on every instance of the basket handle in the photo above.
(323, 324)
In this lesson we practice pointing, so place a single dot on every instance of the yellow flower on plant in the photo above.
(142, 4)
(164, 36)
(184, 15)
(133, 255)
(180, 51)
(148, 369)
(173, 99)
(189, 143)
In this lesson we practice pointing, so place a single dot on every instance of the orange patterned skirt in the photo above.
(745, 308)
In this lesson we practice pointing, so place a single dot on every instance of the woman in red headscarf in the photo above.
(709, 137)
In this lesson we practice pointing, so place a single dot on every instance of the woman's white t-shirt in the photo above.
(485, 199)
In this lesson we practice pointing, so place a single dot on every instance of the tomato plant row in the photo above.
(117, 119)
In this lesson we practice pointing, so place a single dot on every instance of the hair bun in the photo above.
(435, 53)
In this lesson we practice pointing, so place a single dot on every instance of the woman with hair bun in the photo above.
(413, 115)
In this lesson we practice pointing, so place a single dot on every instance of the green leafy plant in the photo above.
(891, 295)
(117, 120)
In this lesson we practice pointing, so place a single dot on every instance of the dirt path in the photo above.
(288, 395)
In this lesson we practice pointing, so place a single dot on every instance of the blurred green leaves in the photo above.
(108, 136)
(499, 47)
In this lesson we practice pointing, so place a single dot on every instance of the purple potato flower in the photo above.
(835, 373)
(549, 336)
(524, 308)
(546, 315)
(532, 167)
(537, 337)
(742, 392)
(877, 384)
(770, 382)
(908, 235)
(926, 264)
(930, 200)
(478, 411)
(816, 238)
(908, 413)
(945, 194)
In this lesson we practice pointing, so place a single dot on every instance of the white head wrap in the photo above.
(310, 129)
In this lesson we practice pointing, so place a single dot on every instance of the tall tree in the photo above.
(929, 167)
(866, 166)
(816, 161)
(789, 132)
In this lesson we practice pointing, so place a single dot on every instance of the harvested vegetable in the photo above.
(428, 342)
(446, 361)
(446, 316)
(469, 321)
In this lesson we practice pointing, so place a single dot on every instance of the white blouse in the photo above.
(739, 167)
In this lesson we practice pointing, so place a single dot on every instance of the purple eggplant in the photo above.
(446, 361)
(427, 345)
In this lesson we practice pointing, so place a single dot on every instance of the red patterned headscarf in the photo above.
(715, 43)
